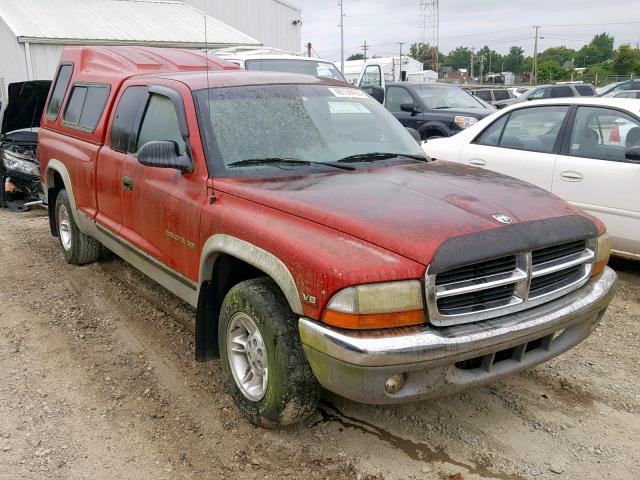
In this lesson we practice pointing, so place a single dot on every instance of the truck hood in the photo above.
(410, 209)
(25, 105)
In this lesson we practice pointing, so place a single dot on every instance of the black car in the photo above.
(19, 122)
(550, 91)
(434, 109)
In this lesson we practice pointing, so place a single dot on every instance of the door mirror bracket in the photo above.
(164, 154)
(633, 154)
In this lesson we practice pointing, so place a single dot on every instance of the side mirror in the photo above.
(415, 134)
(633, 154)
(376, 92)
(164, 154)
(409, 107)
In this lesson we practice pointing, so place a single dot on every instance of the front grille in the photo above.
(482, 269)
(503, 285)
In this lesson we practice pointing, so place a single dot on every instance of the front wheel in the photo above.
(266, 371)
(77, 248)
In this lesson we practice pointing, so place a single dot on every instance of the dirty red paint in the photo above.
(331, 230)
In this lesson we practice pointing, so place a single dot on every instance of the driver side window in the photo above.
(541, 93)
(160, 122)
(396, 96)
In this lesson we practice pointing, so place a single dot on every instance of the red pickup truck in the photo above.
(318, 244)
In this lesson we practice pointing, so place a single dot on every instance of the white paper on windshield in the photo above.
(348, 93)
(347, 107)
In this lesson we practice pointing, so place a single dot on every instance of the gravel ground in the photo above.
(97, 381)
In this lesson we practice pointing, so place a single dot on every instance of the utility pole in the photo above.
(534, 74)
(473, 49)
(341, 37)
(364, 49)
(400, 62)
(309, 49)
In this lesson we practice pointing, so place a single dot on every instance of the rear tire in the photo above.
(77, 248)
(265, 368)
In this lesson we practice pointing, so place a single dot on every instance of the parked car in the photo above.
(19, 125)
(518, 91)
(550, 91)
(491, 95)
(433, 109)
(624, 94)
(631, 84)
(275, 60)
(318, 243)
(585, 150)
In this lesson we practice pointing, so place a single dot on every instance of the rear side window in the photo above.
(124, 130)
(585, 90)
(59, 88)
(534, 129)
(484, 95)
(501, 94)
(564, 91)
(85, 106)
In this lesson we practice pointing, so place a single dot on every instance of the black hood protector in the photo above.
(25, 106)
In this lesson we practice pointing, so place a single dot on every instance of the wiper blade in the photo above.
(375, 156)
(283, 160)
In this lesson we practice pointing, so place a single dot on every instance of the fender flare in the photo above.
(56, 166)
(434, 126)
(255, 256)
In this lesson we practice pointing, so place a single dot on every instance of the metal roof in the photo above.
(117, 22)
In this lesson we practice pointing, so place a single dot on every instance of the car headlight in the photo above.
(464, 122)
(376, 305)
(603, 252)
(16, 163)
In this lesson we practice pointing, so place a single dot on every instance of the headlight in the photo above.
(603, 251)
(464, 122)
(16, 163)
(377, 305)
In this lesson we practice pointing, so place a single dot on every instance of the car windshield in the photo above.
(445, 97)
(292, 65)
(302, 126)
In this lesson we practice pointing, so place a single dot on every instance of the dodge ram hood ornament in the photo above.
(502, 218)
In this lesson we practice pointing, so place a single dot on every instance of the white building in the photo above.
(390, 68)
(34, 32)
(276, 23)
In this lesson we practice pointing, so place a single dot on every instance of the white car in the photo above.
(585, 150)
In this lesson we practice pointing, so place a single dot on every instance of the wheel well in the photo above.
(52, 194)
(227, 272)
(430, 131)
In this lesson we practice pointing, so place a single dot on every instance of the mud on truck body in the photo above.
(318, 244)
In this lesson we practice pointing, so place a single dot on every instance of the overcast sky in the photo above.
(497, 23)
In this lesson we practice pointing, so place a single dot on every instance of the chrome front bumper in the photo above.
(435, 361)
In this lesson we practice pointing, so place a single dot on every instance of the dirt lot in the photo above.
(97, 381)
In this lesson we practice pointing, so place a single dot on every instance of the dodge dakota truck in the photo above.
(316, 241)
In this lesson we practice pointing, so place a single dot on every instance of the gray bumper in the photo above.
(439, 361)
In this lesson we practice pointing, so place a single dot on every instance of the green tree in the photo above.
(356, 56)
(460, 57)
(490, 60)
(549, 70)
(626, 61)
(598, 50)
(560, 55)
(514, 60)
(423, 52)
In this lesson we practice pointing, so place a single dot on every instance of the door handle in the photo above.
(570, 176)
(478, 162)
(127, 183)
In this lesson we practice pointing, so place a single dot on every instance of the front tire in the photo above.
(77, 248)
(266, 371)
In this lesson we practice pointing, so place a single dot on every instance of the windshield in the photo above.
(306, 123)
(439, 97)
(292, 65)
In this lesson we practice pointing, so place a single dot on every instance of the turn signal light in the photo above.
(603, 252)
(368, 321)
